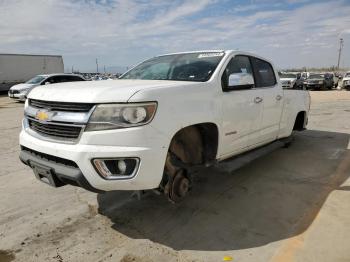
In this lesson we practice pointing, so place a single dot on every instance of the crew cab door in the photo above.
(272, 94)
(242, 108)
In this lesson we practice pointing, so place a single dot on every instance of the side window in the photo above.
(50, 80)
(238, 65)
(75, 78)
(69, 79)
(58, 79)
(264, 74)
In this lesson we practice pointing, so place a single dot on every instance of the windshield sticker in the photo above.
(205, 55)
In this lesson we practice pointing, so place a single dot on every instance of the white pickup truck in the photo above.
(163, 117)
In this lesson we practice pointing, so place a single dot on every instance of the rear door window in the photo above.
(73, 78)
(263, 72)
(56, 79)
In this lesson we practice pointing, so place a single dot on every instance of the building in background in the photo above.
(19, 68)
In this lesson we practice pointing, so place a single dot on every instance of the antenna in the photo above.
(341, 45)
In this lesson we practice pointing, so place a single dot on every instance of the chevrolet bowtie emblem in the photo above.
(42, 115)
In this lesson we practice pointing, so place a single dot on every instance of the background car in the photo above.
(345, 81)
(329, 80)
(291, 80)
(20, 91)
(319, 81)
(288, 80)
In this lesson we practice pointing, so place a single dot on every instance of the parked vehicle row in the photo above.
(311, 81)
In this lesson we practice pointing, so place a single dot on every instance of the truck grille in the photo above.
(13, 92)
(314, 81)
(55, 130)
(61, 106)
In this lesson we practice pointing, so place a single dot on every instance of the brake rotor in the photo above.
(179, 187)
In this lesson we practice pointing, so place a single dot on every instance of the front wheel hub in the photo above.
(179, 187)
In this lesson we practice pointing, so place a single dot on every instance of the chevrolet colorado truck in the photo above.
(160, 120)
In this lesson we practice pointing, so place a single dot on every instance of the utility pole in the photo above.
(341, 44)
(96, 65)
(104, 68)
(72, 69)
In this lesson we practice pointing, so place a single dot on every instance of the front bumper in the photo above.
(18, 96)
(145, 143)
(60, 174)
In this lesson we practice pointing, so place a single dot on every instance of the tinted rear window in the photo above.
(264, 74)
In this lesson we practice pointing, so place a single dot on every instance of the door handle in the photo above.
(278, 97)
(258, 100)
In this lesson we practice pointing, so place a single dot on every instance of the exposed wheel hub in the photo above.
(180, 186)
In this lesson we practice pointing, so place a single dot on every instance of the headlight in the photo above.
(26, 104)
(115, 116)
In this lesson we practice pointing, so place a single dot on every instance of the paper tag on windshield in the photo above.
(204, 55)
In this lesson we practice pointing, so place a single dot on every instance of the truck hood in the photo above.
(20, 87)
(104, 91)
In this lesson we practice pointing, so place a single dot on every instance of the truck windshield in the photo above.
(35, 80)
(178, 67)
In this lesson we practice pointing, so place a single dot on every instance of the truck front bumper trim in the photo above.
(59, 171)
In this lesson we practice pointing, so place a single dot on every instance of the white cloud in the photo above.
(126, 31)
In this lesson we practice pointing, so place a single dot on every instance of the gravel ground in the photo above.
(290, 205)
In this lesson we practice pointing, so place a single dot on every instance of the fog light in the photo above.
(118, 168)
(122, 166)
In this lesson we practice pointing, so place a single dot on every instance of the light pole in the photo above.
(341, 44)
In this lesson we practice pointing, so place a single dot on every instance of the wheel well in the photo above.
(299, 123)
(208, 133)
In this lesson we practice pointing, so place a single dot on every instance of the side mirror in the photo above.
(239, 81)
(47, 83)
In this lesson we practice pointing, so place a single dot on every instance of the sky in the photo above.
(121, 33)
